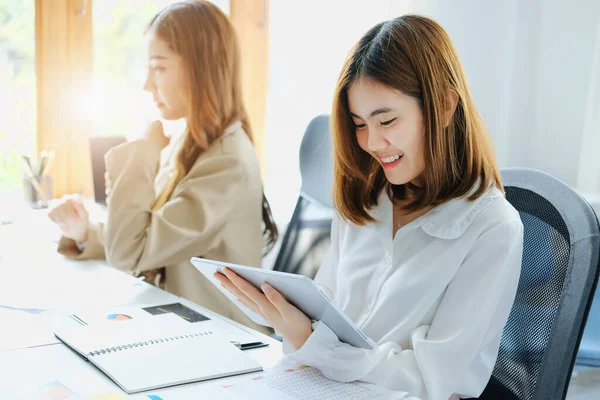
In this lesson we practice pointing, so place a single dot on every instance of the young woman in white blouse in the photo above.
(426, 251)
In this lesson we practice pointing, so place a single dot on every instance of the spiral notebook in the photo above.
(140, 355)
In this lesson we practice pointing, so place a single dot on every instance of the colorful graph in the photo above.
(118, 317)
(53, 391)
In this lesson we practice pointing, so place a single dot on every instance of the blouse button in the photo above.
(388, 258)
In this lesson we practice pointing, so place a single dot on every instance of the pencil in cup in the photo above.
(46, 158)
(37, 189)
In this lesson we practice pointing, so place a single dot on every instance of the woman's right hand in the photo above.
(72, 218)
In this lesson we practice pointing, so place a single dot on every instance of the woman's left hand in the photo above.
(286, 319)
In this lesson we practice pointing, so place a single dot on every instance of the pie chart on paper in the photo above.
(118, 317)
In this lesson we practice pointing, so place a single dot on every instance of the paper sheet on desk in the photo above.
(34, 373)
(65, 284)
(21, 330)
(287, 381)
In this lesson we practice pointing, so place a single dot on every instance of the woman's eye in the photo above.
(359, 126)
(387, 123)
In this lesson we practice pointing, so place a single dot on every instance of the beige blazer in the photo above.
(215, 212)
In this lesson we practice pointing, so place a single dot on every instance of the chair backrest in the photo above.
(99, 146)
(588, 354)
(316, 162)
(558, 279)
(313, 212)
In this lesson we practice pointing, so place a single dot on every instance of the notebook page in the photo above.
(174, 362)
(87, 339)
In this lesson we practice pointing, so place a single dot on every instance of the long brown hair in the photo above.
(412, 54)
(202, 35)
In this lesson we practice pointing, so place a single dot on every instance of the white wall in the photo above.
(589, 165)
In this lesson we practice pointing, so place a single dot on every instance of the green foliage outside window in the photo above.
(17, 88)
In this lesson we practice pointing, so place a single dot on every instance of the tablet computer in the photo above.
(299, 290)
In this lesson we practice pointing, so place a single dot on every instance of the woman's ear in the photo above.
(450, 105)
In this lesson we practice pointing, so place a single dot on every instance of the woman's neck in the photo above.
(401, 217)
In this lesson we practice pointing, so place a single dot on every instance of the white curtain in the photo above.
(534, 71)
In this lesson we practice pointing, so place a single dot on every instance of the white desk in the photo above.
(36, 278)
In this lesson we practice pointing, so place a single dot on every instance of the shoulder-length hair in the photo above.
(412, 54)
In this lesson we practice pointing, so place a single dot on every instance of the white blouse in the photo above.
(435, 298)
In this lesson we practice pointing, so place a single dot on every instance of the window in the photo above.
(119, 103)
(17, 89)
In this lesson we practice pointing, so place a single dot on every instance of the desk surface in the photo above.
(40, 288)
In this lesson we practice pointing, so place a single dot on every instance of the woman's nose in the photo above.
(376, 141)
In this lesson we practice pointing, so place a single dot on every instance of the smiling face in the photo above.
(165, 79)
(389, 126)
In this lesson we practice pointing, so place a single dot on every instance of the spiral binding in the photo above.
(146, 343)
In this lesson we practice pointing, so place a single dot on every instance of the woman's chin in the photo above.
(394, 179)
(169, 115)
(398, 182)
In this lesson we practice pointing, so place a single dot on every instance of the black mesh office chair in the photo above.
(558, 279)
(313, 211)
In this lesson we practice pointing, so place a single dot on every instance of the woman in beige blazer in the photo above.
(195, 194)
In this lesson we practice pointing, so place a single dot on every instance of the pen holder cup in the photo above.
(32, 193)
